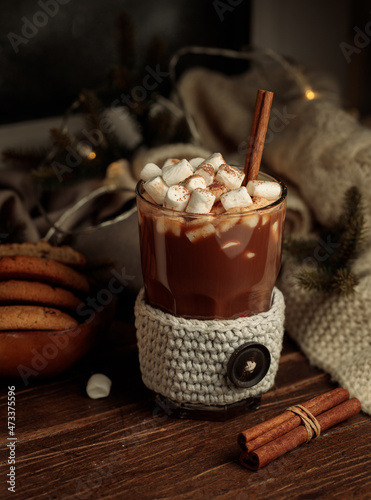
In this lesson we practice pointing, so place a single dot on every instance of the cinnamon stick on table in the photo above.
(258, 132)
(271, 429)
(270, 451)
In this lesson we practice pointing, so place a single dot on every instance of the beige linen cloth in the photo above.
(321, 151)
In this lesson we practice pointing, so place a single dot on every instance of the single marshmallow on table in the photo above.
(266, 189)
(173, 174)
(177, 198)
(232, 177)
(238, 198)
(207, 172)
(200, 202)
(156, 188)
(194, 182)
(216, 160)
(98, 386)
(149, 171)
(196, 162)
(170, 161)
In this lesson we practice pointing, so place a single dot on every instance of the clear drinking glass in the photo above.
(211, 266)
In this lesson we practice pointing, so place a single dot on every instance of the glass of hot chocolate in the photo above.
(222, 264)
(210, 252)
(210, 320)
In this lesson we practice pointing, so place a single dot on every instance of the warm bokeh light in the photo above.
(310, 94)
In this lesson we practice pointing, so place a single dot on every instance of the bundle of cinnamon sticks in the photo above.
(269, 440)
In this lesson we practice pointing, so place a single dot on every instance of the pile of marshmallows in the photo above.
(201, 186)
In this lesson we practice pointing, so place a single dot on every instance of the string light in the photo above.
(310, 94)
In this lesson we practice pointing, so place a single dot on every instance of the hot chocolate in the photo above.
(220, 264)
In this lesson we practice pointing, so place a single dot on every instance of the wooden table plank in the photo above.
(123, 447)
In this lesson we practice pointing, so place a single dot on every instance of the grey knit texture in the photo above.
(334, 332)
(186, 360)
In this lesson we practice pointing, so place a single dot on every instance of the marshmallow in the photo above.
(150, 170)
(200, 202)
(194, 182)
(196, 162)
(226, 223)
(177, 198)
(259, 202)
(265, 219)
(275, 230)
(232, 248)
(157, 189)
(166, 224)
(216, 160)
(207, 172)
(229, 244)
(200, 232)
(98, 386)
(267, 189)
(249, 255)
(230, 176)
(217, 208)
(250, 220)
(217, 189)
(173, 174)
(170, 161)
(237, 198)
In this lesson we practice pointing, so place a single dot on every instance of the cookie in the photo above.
(63, 254)
(45, 270)
(34, 292)
(34, 318)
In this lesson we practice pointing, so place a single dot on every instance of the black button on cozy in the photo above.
(248, 364)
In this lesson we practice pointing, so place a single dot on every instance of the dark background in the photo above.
(77, 46)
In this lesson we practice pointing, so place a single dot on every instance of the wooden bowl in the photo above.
(40, 354)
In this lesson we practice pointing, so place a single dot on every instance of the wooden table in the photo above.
(122, 447)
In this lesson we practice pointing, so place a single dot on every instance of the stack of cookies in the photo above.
(41, 286)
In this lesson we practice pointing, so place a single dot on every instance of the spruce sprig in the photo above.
(333, 271)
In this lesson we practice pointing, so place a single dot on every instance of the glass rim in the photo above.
(175, 213)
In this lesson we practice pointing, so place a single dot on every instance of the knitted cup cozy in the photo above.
(186, 360)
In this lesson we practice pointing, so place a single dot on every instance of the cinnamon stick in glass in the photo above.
(271, 429)
(270, 451)
(258, 132)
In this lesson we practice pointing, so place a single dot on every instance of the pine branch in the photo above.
(342, 243)
(344, 281)
(341, 282)
(352, 230)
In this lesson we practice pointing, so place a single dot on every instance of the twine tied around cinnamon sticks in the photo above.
(308, 420)
(269, 440)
